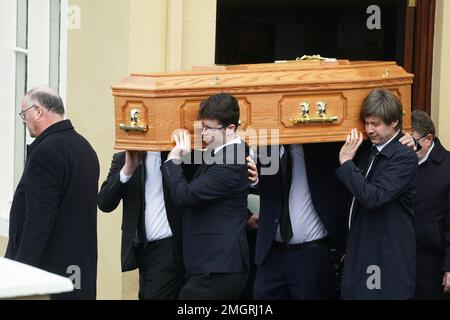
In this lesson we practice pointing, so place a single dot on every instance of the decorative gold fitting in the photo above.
(135, 124)
(387, 73)
(315, 57)
(321, 111)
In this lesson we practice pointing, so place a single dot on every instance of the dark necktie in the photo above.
(286, 172)
(141, 231)
(373, 153)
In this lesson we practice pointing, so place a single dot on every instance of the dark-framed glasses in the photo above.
(206, 127)
(418, 145)
(22, 113)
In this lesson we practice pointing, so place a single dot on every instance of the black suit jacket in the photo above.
(132, 194)
(53, 221)
(328, 196)
(382, 229)
(214, 209)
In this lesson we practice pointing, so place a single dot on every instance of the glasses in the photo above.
(205, 127)
(418, 145)
(22, 113)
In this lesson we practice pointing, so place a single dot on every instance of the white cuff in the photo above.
(253, 185)
(123, 177)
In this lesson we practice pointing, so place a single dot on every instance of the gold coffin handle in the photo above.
(131, 127)
(135, 123)
(321, 111)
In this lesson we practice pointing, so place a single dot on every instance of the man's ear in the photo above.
(40, 111)
(394, 124)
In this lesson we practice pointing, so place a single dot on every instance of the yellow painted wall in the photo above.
(97, 58)
(171, 34)
(199, 33)
(147, 35)
(441, 73)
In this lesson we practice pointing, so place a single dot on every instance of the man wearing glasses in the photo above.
(432, 211)
(151, 227)
(213, 204)
(53, 219)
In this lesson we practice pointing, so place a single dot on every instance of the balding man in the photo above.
(53, 223)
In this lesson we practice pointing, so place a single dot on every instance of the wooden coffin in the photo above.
(287, 103)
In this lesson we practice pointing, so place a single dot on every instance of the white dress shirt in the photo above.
(306, 224)
(425, 158)
(156, 223)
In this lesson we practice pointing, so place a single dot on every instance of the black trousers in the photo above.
(160, 270)
(213, 286)
(296, 274)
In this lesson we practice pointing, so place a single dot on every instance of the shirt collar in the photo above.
(236, 140)
(381, 147)
(425, 158)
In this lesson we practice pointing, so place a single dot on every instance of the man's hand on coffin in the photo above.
(132, 160)
(182, 145)
(409, 141)
(348, 151)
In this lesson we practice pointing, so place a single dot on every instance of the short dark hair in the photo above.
(383, 103)
(222, 107)
(422, 123)
(47, 99)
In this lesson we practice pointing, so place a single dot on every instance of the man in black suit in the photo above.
(151, 227)
(380, 256)
(300, 223)
(53, 220)
(432, 212)
(213, 204)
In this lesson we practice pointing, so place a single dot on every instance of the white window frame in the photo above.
(38, 73)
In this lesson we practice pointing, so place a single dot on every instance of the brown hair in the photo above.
(422, 123)
(383, 103)
(222, 107)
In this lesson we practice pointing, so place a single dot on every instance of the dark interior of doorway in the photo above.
(260, 31)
